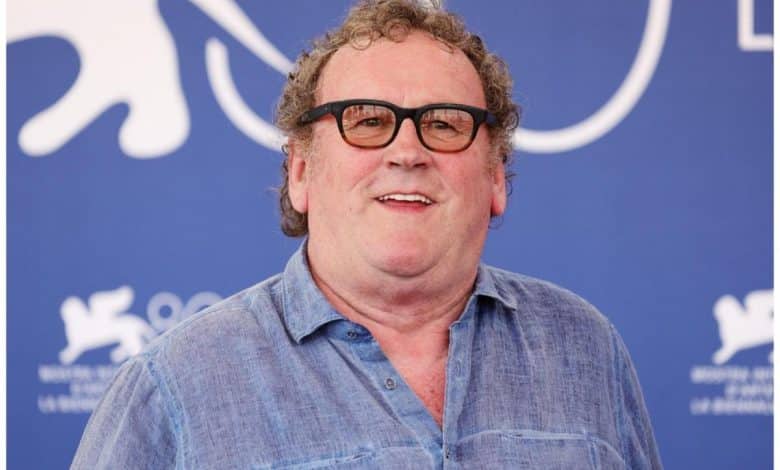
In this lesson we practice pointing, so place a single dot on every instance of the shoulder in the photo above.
(252, 316)
(544, 298)
(547, 309)
(158, 388)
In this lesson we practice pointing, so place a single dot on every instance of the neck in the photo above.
(398, 310)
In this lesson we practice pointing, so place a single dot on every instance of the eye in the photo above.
(369, 122)
(367, 117)
(443, 129)
(440, 126)
(444, 123)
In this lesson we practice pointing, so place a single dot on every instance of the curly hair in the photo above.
(366, 22)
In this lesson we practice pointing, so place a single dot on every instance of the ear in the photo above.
(297, 176)
(498, 203)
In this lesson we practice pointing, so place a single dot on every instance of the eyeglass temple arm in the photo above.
(315, 113)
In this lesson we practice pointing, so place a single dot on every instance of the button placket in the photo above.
(459, 367)
(400, 398)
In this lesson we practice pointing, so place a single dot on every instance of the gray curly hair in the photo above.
(366, 22)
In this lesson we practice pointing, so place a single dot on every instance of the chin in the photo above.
(402, 262)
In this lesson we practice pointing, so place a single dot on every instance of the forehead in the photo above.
(416, 71)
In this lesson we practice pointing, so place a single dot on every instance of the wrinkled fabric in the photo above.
(274, 377)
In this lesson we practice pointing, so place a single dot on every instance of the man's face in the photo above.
(352, 195)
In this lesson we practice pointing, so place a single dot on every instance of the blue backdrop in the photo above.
(141, 168)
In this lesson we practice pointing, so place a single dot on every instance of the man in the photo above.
(385, 343)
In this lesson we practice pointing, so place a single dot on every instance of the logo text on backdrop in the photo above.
(103, 321)
(737, 389)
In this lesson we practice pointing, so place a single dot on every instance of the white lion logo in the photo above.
(104, 322)
(127, 56)
(741, 328)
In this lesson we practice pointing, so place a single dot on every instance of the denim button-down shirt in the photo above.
(274, 377)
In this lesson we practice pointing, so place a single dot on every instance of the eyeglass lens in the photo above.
(373, 125)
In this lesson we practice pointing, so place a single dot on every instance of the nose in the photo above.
(406, 150)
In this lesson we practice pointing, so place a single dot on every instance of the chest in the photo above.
(348, 415)
(428, 382)
(333, 403)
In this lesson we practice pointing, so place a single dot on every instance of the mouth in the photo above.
(406, 200)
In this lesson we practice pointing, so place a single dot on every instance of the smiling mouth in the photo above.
(406, 198)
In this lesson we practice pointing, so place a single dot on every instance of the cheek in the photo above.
(471, 180)
(340, 179)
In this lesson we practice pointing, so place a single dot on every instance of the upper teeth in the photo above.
(406, 197)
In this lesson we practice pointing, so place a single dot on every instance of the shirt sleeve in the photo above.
(639, 446)
(131, 426)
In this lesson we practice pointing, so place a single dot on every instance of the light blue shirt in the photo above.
(274, 377)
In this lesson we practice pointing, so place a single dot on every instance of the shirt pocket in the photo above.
(356, 460)
(390, 458)
(528, 449)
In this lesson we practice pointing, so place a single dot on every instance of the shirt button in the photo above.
(390, 383)
(351, 334)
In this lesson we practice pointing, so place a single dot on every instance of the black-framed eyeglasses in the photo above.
(442, 127)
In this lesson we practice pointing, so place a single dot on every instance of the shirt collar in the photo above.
(306, 309)
(488, 286)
